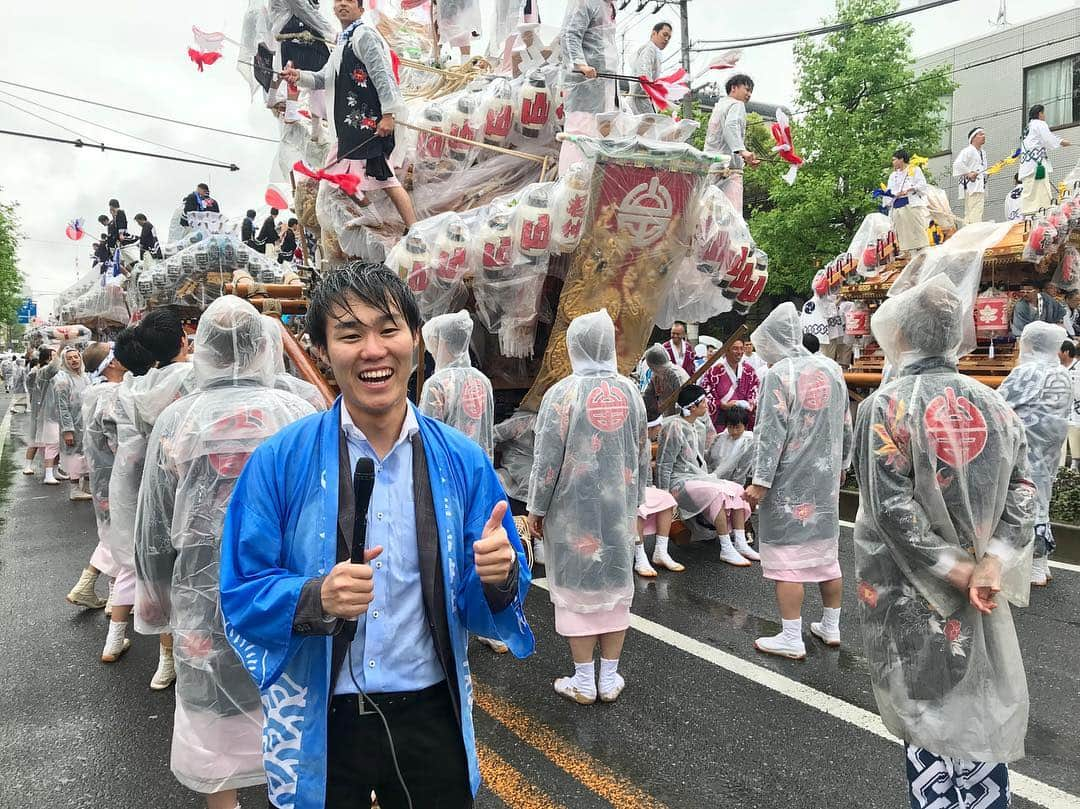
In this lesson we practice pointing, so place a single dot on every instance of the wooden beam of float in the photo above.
(856, 379)
(637, 231)
(246, 289)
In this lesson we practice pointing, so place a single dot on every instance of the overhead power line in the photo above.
(138, 112)
(49, 121)
(772, 39)
(102, 147)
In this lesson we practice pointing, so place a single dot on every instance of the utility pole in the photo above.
(684, 19)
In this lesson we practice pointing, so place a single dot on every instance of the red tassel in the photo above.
(202, 59)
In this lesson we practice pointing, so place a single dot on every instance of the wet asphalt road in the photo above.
(687, 732)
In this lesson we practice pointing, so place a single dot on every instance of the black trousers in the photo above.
(426, 738)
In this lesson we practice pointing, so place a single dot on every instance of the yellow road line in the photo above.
(594, 775)
(509, 785)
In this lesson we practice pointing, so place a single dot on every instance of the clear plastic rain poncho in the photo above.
(283, 380)
(458, 20)
(68, 388)
(140, 401)
(942, 467)
(1039, 390)
(667, 377)
(100, 405)
(457, 394)
(194, 456)
(732, 458)
(681, 459)
(48, 428)
(38, 380)
(590, 470)
(514, 439)
(802, 444)
(588, 37)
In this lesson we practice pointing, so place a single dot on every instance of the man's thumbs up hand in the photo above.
(493, 554)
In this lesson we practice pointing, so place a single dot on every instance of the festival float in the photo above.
(987, 261)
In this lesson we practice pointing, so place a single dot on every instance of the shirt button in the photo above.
(371, 664)
(378, 565)
(379, 515)
(375, 614)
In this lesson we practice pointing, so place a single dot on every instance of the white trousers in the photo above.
(973, 207)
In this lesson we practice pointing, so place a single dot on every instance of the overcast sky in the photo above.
(134, 54)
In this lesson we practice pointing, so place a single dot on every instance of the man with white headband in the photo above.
(969, 169)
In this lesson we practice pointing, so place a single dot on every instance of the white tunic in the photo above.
(1038, 140)
(970, 160)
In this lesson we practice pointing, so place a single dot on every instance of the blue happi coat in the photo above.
(281, 531)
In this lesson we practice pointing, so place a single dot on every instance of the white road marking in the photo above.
(1035, 791)
(1058, 565)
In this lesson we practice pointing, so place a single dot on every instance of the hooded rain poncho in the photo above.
(457, 394)
(1039, 390)
(588, 37)
(43, 396)
(942, 468)
(99, 413)
(69, 387)
(802, 444)
(590, 470)
(667, 378)
(195, 454)
(283, 380)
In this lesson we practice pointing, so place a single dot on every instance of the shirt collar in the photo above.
(409, 427)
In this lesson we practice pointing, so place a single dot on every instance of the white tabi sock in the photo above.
(49, 473)
(661, 548)
(585, 677)
(609, 669)
(830, 619)
(117, 631)
(792, 630)
(738, 534)
(639, 554)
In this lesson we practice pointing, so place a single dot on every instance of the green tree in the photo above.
(10, 278)
(858, 98)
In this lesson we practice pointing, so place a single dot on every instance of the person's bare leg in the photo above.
(221, 800)
(789, 596)
(165, 674)
(31, 453)
(832, 592)
(721, 523)
(611, 682)
(611, 644)
(583, 648)
(400, 197)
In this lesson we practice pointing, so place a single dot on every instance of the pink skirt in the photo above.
(124, 587)
(74, 464)
(657, 501)
(714, 497)
(789, 562)
(359, 169)
(102, 560)
(571, 624)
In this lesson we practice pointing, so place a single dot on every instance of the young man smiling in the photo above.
(390, 711)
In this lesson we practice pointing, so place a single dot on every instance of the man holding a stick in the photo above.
(364, 98)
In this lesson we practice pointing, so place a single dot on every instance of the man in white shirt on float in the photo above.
(970, 171)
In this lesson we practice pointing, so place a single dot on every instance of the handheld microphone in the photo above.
(363, 485)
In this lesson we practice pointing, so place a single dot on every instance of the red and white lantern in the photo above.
(413, 262)
(496, 245)
(452, 252)
(532, 223)
(431, 146)
(569, 206)
(749, 294)
(498, 114)
(462, 125)
(991, 314)
(857, 321)
(535, 107)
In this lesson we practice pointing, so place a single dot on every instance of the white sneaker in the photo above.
(83, 595)
(497, 646)
(730, 555)
(50, 481)
(28, 470)
(76, 496)
(538, 552)
(166, 670)
(817, 629)
(60, 474)
(609, 691)
(782, 647)
(115, 643)
(566, 687)
(743, 547)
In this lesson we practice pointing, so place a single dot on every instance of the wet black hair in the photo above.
(690, 394)
(293, 221)
(660, 26)
(1068, 347)
(735, 415)
(374, 285)
(103, 219)
(902, 154)
(738, 80)
(274, 211)
(250, 213)
(114, 203)
(132, 354)
(140, 217)
(1033, 113)
(162, 334)
(204, 187)
(811, 343)
(45, 355)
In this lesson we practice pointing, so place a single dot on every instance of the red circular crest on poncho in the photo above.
(473, 398)
(606, 408)
(814, 388)
(956, 428)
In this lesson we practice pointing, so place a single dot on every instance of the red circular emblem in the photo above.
(473, 398)
(814, 388)
(956, 428)
(606, 408)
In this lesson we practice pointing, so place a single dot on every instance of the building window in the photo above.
(945, 146)
(1051, 84)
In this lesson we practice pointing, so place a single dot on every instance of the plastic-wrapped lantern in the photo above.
(569, 206)
(431, 146)
(174, 269)
(496, 244)
(413, 263)
(711, 244)
(857, 321)
(749, 294)
(1056, 219)
(535, 106)
(820, 284)
(241, 259)
(159, 280)
(532, 223)
(1040, 240)
(560, 107)
(461, 125)
(1070, 209)
(144, 284)
(870, 256)
(452, 252)
(738, 270)
(498, 114)
(991, 314)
